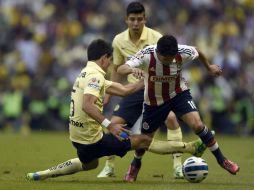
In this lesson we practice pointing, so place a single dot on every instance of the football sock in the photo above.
(175, 135)
(110, 161)
(137, 158)
(65, 168)
(208, 139)
(169, 147)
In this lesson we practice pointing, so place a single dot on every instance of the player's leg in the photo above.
(185, 108)
(108, 170)
(166, 147)
(126, 112)
(193, 120)
(174, 133)
(66, 168)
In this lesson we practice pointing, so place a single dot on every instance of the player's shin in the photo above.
(175, 135)
(207, 137)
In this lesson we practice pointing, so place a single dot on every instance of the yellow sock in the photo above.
(170, 147)
(175, 135)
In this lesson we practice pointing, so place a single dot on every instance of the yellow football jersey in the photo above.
(124, 48)
(84, 129)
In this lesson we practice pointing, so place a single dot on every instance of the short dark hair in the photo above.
(167, 45)
(135, 7)
(98, 48)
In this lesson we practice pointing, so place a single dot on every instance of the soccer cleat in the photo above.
(107, 171)
(132, 174)
(178, 172)
(33, 177)
(230, 166)
(200, 148)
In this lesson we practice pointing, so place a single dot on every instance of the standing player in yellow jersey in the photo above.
(129, 110)
(86, 120)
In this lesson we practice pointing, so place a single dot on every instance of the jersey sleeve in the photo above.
(93, 84)
(108, 83)
(188, 53)
(118, 58)
(137, 60)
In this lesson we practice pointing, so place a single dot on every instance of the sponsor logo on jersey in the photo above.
(94, 83)
(162, 78)
(76, 123)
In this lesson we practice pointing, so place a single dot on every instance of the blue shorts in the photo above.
(154, 116)
(108, 145)
(130, 108)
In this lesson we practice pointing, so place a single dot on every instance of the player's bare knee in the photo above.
(171, 121)
(146, 141)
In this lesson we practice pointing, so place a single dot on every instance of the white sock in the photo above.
(65, 168)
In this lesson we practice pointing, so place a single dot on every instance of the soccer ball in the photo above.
(195, 169)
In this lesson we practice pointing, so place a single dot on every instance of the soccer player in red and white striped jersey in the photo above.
(166, 90)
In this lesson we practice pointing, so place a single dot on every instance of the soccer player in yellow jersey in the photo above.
(127, 44)
(87, 120)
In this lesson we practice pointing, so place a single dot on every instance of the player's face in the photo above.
(165, 60)
(136, 22)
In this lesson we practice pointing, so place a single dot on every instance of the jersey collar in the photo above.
(95, 66)
(143, 36)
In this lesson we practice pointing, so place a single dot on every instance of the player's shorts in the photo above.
(108, 145)
(130, 108)
(154, 116)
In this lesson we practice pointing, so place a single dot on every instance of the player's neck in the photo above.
(135, 37)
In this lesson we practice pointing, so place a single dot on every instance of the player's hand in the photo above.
(106, 99)
(117, 130)
(215, 70)
(138, 73)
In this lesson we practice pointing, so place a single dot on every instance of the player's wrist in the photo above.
(105, 123)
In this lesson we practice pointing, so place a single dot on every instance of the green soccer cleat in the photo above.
(200, 148)
(33, 177)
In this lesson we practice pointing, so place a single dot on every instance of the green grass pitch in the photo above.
(37, 151)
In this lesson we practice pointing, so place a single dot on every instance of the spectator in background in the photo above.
(66, 25)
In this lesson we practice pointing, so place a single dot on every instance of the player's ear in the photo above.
(126, 20)
(103, 58)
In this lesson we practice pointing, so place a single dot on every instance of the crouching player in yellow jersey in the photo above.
(87, 121)
(128, 111)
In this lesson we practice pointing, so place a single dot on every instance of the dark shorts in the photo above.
(108, 145)
(154, 116)
(130, 108)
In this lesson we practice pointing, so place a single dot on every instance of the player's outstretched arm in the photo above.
(118, 89)
(124, 69)
(214, 70)
(89, 106)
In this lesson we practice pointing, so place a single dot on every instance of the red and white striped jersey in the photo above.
(162, 82)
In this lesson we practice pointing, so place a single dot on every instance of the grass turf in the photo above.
(37, 151)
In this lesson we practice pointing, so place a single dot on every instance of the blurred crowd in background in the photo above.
(43, 47)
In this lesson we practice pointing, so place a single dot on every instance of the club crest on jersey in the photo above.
(145, 126)
(163, 78)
